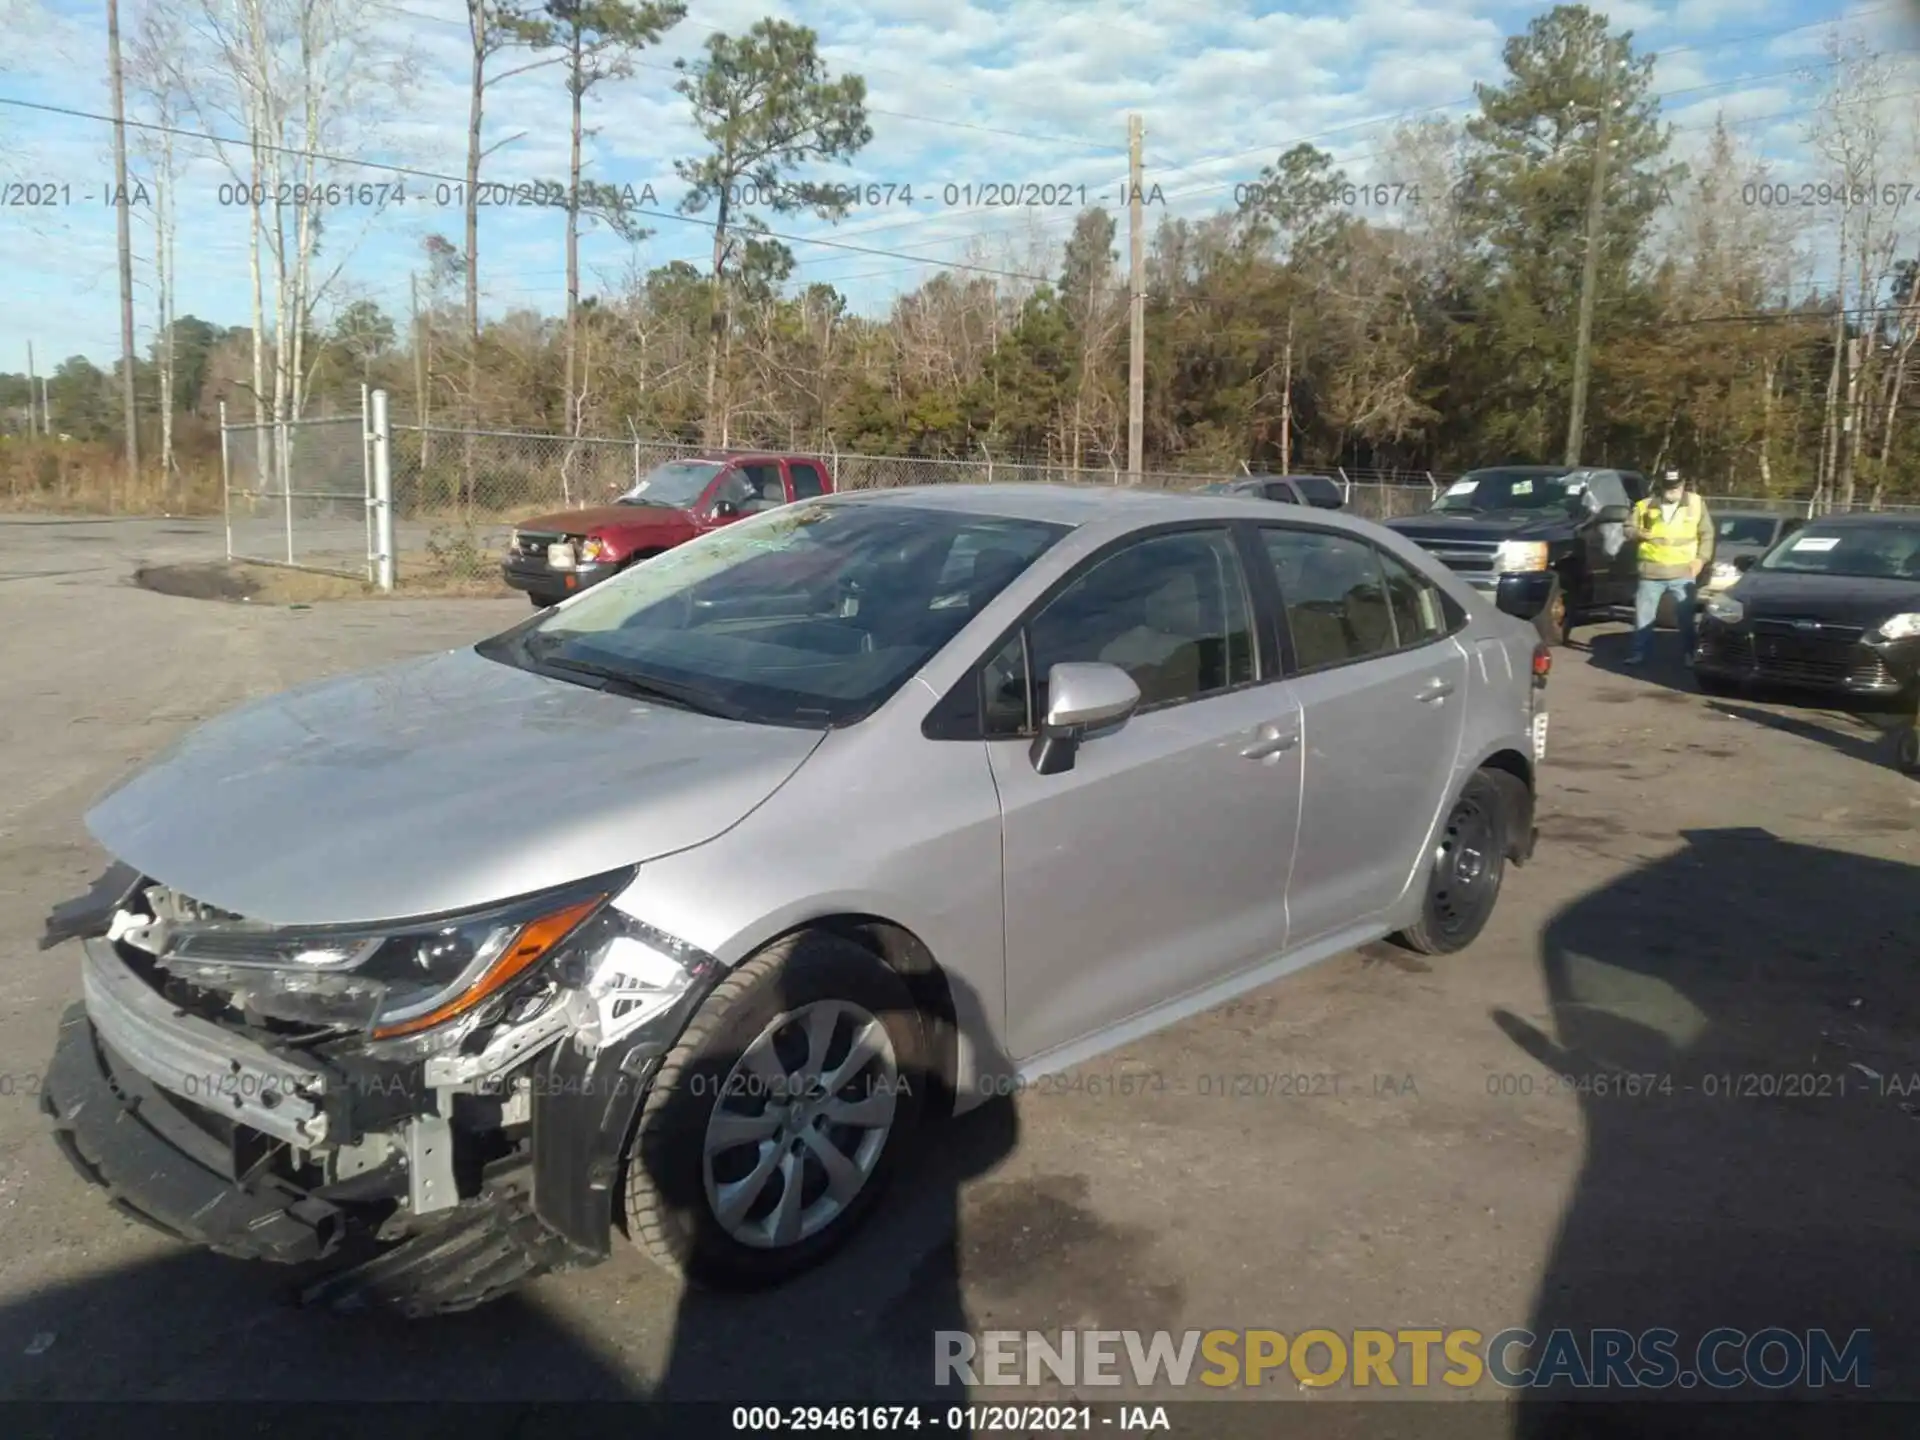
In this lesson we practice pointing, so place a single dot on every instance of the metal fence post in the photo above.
(366, 481)
(382, 493)
(226, 481)
(283, 462)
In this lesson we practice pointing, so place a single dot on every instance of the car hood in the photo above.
(432, 785)
(606, 517)
(1483, 527)
(1842, 599)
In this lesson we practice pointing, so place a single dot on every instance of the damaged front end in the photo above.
(427, 1113)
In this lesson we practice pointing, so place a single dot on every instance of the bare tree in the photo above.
(153, 69)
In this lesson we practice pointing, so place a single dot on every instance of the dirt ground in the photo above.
(1723, 889)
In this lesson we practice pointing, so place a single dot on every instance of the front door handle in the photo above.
(1435, 690)
(1272, 741)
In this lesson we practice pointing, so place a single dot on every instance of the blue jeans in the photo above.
(1646, 606)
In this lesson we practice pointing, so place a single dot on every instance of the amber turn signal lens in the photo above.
(536, 938)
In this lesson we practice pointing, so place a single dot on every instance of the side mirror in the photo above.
(1081, 698)
(725, 509)
(1615, 514)
(1744, 562)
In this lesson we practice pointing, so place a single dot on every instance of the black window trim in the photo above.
(960, 714)
(1456, 617)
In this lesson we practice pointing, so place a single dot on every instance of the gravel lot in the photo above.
(1722, 889)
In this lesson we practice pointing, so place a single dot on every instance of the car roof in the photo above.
(1077, 505)
(1534, 469)
(1721, 512)
(1861, 519)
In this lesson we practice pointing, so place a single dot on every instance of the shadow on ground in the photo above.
(1763, 1175)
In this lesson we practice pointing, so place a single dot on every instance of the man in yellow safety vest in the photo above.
(1675, 533)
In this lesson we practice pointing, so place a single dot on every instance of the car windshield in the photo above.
(810, 615)
(1747, 529)
(677, 483)
(1486, 492)
(1888, 550)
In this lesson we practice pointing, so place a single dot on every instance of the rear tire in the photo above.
(1469, 863)
(683, 1169)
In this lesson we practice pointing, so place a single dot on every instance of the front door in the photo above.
(1382, 688)
(1158, 863)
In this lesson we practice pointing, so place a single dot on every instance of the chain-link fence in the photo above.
(296, 493)
(458, 494)
(302, 494)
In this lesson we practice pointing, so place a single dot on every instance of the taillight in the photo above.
(1542, 664)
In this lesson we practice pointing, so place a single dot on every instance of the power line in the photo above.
(416, 173)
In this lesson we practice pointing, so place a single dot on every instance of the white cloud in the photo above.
(963, 92)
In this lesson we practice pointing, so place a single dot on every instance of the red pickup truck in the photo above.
(556, 555)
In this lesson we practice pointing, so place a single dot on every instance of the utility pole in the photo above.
(420, 415)
(122, 204)
(1286, 402)
(1137, 338)
(33, 394)
(1590, 275)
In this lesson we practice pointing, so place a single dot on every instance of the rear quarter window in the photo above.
(1319, 491)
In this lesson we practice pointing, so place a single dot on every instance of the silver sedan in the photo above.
(675, 908)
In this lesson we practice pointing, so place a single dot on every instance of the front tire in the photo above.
(1469, 863)
(1907, 751)
(542, 602)
(777, 1120)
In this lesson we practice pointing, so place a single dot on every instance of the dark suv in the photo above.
(1546, 542)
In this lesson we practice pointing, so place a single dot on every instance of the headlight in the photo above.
(1519, 556)
(513, 543)
(1724, 608)
(389, 984)
(593, 548)
(1900, 627)
(1722, 574)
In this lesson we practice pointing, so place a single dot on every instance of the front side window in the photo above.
(1171, 610)
(810, 615)
(1336, 596)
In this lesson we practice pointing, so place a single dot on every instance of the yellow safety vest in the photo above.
(1674, 542)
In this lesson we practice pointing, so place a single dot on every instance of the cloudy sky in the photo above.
(964, 96)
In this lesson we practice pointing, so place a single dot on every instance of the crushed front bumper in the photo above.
(194, 1129)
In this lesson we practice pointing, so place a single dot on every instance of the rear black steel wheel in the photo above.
(1469, 862)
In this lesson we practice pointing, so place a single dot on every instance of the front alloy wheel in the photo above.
(801, 1120)
(774, 1124)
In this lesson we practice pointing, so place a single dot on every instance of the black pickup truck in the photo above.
(1544, 542)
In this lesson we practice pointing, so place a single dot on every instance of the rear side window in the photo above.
(1336, 597)
(1280, 490)
(807, 481)
(1319, 491)
(1419, 616)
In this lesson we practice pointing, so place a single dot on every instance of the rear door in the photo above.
(1382, 687)
(1158, 863)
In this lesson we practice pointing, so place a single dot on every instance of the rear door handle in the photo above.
(1272, 741)
(1435, 690)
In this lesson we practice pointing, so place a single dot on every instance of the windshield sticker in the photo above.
(1522, 487)
(1816, 542)
(1576, 487)
(1463, 487)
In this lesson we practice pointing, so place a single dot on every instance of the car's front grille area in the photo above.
(1467, 557)
(1776, 651)
(534, 547)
